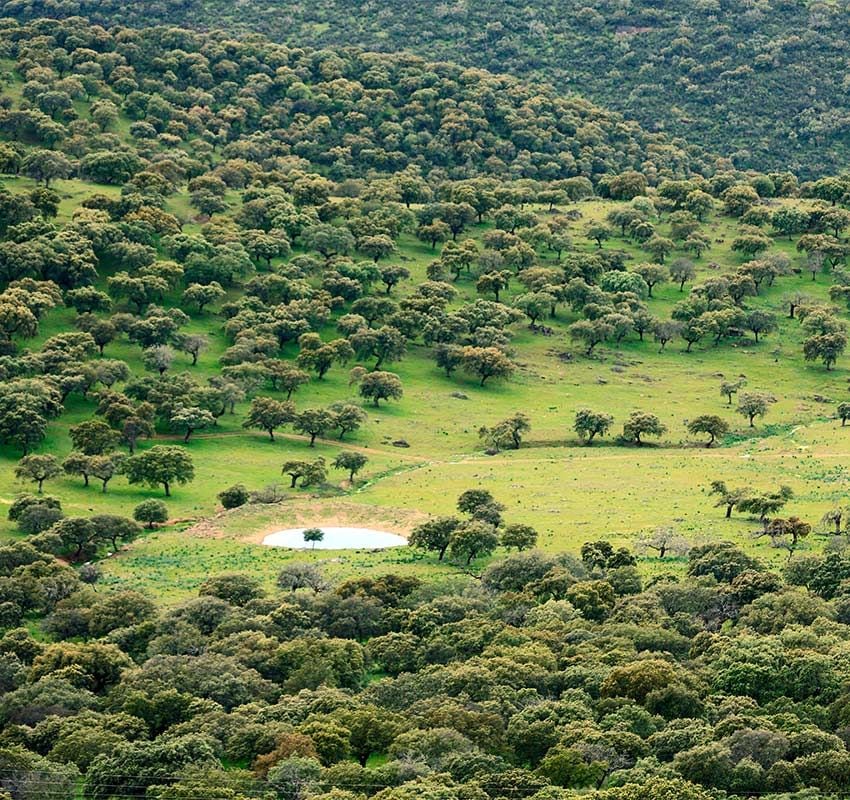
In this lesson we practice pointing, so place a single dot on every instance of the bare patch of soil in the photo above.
(252, 523)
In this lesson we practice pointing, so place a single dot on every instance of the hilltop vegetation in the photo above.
(598, 381)
(762, 83)
(350, 112)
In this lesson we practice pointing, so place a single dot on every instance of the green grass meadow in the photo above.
(569, 492)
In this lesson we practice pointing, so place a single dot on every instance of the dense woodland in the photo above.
(760, 82)
(545, 676)
(209, 235)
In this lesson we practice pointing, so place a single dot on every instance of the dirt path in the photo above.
(296, 437)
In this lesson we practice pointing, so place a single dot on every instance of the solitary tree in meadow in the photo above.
(308, 472)
(590, 424)
(663, 541)
(709, 424)
(507, 433)
(728, 498)
(351, 461)
(754, 404)
(313, 535)
(728, 388)
(151, 512)
(642, 423)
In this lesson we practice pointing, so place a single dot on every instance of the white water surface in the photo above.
(336, 539)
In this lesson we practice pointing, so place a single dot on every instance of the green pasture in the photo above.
(570, 493)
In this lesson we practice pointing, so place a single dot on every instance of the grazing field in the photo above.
(569, 491)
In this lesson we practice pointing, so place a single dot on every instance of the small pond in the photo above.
(336, 539)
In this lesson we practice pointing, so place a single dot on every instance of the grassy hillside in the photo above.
(193, 180)
(553, 482)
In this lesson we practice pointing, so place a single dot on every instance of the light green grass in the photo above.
(570, 493)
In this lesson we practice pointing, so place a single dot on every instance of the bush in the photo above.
(234, 496)
(270, 494)
(24, 501)
(38, 517)
(151, 512)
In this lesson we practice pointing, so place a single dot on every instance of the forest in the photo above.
(591, 370)
(762, 83)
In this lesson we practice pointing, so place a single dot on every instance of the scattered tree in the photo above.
(162, 465)
(710, 424)
(38, 469)
(589, 424)
(351, 461)
(642, 423)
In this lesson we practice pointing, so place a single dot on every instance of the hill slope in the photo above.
(762, 83)
(353, 112)
(217, 288)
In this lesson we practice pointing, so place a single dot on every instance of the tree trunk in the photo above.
(167, 488)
